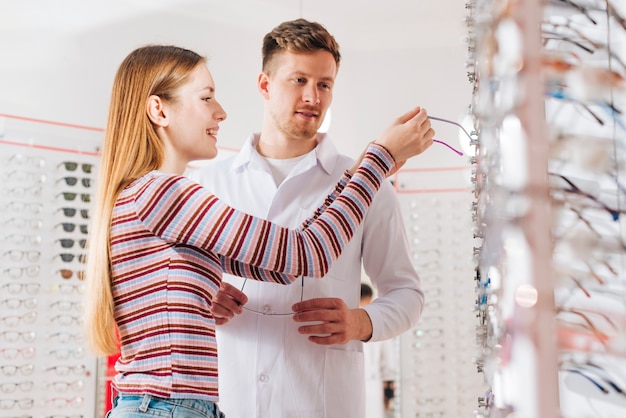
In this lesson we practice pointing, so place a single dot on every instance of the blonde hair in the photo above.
(131, 150)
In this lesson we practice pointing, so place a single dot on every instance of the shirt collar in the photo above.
(325, 152)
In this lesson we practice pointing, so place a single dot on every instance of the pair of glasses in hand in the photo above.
(268, 312)
(459, 153)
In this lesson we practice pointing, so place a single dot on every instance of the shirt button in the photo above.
(267, 309)
(264, 378)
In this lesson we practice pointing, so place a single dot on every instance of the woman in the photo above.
(159, 242)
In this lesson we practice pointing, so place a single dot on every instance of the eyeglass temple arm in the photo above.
(453, 123)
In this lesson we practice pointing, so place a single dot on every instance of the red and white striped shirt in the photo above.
(170, 242)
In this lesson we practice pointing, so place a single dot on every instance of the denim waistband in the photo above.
(202, 406)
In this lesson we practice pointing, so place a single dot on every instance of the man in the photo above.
(274, 363)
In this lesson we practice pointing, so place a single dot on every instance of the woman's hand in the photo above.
(409, 135)
(227, 303)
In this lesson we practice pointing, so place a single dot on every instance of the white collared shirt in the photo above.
(267, 369)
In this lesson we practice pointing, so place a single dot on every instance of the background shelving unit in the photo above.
(48, 174)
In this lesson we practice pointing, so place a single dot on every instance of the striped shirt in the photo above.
(170, 242)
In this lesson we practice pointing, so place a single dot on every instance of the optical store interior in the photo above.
(513, 216)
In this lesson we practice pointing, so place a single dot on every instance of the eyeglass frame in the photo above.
(272, 313)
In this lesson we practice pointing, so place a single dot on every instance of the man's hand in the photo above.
(227, 303)
(334, 323)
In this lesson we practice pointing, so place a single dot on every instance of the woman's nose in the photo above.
(220, 114)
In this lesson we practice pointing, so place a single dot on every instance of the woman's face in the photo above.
(194, 118)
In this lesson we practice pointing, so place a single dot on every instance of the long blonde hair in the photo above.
(131, 149)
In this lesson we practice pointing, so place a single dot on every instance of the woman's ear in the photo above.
(155, 108)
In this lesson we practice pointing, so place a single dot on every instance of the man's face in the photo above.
(300, 91)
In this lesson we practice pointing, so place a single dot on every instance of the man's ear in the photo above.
(157, 113)
(263, 85)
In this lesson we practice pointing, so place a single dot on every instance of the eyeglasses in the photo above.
(23, 191)
(23, 223)
(606, 107)
(25, 386)
(70, 227)
(64, 337)
(430, 345)
(71, 181)
(71, 196)
(24, 369)
(458, 125)
(13, 353)
(64, 416)
(21, 403)
(15, 288)
(14, 303)
(66, 305)
(574, 189)
(72, 166)
(61, 402)
(20, 239)
(267, 311)
(430, 332)
(69, 243)
(18, 255)
(67, 274)
(595, 381)
(70, 212)
(68, 257)
(65, 354)
(68, 289)
(64, 319)
(23, 176)
(15, 320)
(76, 385)
(34, 208)
(12, 336)
(66, 370)
(21, 159)
(17, 272)
(590, 368)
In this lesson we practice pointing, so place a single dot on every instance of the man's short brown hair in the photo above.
(298, 36)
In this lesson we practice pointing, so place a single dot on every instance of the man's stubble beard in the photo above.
(297, 132)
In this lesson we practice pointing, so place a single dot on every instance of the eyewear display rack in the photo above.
(549, 91)
(48, 174)
(437, 375)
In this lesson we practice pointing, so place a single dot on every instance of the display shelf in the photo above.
(548, 97)
(47, 185)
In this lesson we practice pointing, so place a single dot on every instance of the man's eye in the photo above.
(207, 99)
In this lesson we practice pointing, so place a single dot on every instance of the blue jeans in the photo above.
(142, 406)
